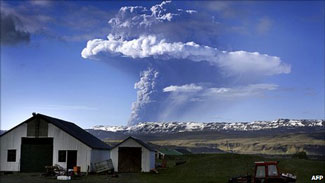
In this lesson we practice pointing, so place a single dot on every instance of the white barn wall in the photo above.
(64, 141)
(98, 155)
(146, 159)
(152, 160)
(11, 140)
(61, 141)
(114, 157)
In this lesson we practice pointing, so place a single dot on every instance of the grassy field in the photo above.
(220, 167)
(37, 178)
(204, 168)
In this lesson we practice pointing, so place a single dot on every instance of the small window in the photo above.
(260, 172)
(11, 155)
(62, 156)
(272, 171)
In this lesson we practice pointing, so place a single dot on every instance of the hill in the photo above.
(176, 127)
(283, 136)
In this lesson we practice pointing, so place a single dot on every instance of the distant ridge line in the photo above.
(172, 127)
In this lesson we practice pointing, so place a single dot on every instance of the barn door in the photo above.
(36, 153)
(129, 159)
(72, 159)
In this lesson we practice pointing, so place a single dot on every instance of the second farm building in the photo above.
(45, 141)
(133, 155)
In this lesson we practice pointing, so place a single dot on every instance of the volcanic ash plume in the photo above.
(147, 89)
(187, 74)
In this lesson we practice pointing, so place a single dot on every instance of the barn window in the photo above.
(11, 155)
(62, 156)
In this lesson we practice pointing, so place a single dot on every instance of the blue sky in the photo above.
(191, 70)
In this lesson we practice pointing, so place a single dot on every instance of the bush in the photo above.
(300, 155)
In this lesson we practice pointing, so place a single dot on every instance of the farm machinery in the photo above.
(265, 172)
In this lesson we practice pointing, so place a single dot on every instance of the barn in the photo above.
(43, 140)
(133, 155)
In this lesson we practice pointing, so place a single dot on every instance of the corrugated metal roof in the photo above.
(72, 129)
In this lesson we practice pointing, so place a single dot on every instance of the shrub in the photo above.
(300, 155)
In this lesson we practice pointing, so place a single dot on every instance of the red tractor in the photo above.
(265, 172)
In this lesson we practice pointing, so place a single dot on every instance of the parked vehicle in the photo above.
(265, 172)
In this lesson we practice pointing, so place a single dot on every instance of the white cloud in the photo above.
(252, 62)
(189, 96)
(183, 88)
(237, 62)
(200, 93)
(243, 91)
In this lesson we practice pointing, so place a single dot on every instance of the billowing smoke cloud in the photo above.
(165, 21)
(185, 68)
(149, 46)
(146, 94)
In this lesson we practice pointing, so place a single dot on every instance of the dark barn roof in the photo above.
(138, 141)
(71, 129)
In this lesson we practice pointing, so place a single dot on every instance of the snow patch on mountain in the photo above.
(174, 127)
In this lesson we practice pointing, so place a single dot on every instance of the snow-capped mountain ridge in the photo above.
(174, 127)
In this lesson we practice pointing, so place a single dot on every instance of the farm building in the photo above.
(169, 152)
(133, 155)
(184, 151)
(162, 152)
(42, 140)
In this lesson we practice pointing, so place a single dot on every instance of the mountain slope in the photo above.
(281, 136)
(176, 127)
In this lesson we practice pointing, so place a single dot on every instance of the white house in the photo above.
(43, 140)
(133, 155)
